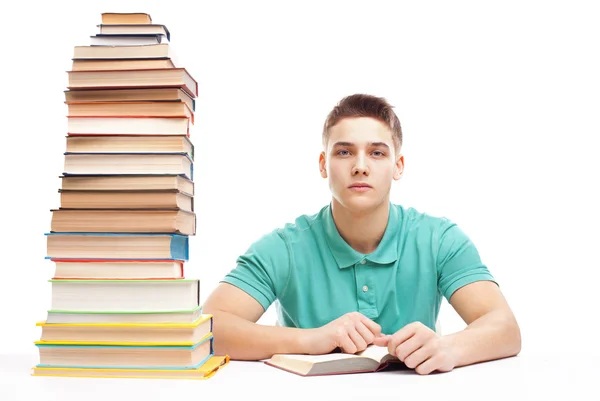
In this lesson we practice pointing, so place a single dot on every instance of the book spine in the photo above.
(180, 247)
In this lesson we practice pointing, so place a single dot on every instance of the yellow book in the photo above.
(209, 369)
(126, 355)
(157, 334)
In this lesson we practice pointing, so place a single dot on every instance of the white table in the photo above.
(525, 377)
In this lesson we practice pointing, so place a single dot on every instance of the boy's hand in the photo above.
(351, 333)
(420, 348)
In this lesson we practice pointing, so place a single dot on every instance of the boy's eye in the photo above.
(378, 153)
(343, 152)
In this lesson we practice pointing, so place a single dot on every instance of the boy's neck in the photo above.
(362, 231)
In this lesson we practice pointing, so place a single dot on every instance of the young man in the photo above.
(363, 270)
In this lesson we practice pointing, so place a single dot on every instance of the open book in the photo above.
(372, 359)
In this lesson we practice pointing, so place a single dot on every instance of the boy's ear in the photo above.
(399, 168)
(322, 167)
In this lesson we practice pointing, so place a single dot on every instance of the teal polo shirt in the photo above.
(314, 276)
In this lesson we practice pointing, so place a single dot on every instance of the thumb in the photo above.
(382, 340)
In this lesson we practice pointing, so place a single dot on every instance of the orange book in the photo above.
(130, 95)
(125, 18)
(130, 109)
(117, 269)
(97, 65)
(131, 79)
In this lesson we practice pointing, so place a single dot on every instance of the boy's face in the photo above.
(360, 162)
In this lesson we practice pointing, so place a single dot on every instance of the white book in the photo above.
(128, 163)
(128, 126)
(175, 316)
(127, 40)
(125, 295)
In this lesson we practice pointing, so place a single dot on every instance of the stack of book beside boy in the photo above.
(121, 305)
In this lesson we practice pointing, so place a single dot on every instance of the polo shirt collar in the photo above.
(346, 256)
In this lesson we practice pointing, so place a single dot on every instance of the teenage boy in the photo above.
(363, 270)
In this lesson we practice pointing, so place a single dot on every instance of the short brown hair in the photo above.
(362, 105)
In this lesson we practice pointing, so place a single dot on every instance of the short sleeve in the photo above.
(263, 270)
(458, 261)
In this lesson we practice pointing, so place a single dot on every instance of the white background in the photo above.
(498, 102)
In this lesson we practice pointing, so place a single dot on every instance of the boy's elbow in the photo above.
(517, 334)
(513, 335)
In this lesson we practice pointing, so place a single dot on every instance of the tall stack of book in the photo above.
(121, 305)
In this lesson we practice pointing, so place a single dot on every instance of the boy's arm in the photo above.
(236, 333)
(492, 331)
(235, 330)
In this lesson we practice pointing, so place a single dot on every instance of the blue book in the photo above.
(117, 246)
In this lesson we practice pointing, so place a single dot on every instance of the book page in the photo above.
(374, 352)
(319, 358)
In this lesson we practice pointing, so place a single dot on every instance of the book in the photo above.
(128, 126)
(136, 182)
(174, 221)
(126, 269)
(126, 333)
(134, 29)
(126, 356)
(117, 246)
(127, 40)
(130, 109)
(163, 50)
(372, 359)
(125, 18)
(129, 95)
(164, 316)
(125, 199)
(130, 144)
(205, 371)
(132, 79)
(125, 295)
(120, 304)
(137, 64)
(128, 163)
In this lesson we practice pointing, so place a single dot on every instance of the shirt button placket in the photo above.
(364, 293)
